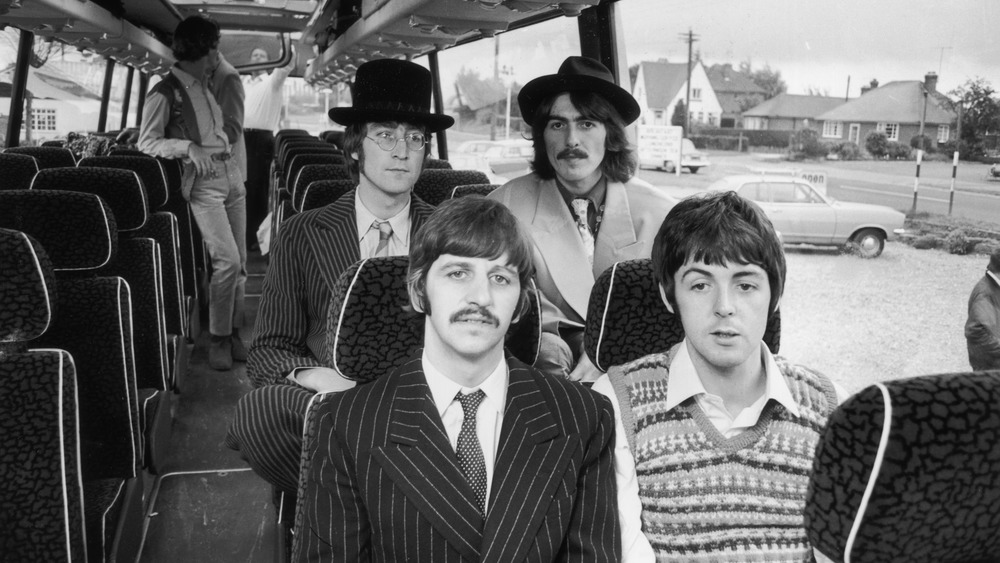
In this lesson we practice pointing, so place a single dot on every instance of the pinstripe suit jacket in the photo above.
(381, 482)
(311, 251)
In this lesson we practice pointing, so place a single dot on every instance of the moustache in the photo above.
(475, 311)
(571, 153)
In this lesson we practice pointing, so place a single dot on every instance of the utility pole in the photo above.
(690, 38)
(496, 80)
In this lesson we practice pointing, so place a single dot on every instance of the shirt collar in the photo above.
(443, 389)
(596, 195)
(994, 276)
(186, 79)
(684, 382)
(400, 222)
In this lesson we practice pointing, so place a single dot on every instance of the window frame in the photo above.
(833, 129)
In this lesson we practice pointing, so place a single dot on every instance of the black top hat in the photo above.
(392, 90)
(577, 74)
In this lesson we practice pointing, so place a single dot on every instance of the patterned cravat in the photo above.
(384, 234)
(470, 453)
(581, 207)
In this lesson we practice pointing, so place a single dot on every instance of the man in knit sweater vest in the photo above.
(716, 436)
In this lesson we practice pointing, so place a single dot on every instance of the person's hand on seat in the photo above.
(585, 371)
(322, 380)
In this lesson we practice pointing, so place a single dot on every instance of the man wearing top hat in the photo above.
(387, 135)
(581, 204)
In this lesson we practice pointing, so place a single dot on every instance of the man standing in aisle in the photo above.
(581, 204)
(982, 329)
(183, 120)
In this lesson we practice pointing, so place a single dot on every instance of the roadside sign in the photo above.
(815, 177)
(660, 143)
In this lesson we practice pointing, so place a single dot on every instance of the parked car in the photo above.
(500, 160)
(691, 158)
(803, 215)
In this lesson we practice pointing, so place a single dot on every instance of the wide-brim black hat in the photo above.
(577, 74)
(392, 90)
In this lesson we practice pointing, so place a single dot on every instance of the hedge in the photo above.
(728, 139)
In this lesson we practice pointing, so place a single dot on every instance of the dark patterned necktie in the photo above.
(581, 208)
(470, 453)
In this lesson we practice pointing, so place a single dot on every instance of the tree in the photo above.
(980, 109)
(680, 114)
(767, 78)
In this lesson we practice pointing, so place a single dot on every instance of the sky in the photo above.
(815, 45)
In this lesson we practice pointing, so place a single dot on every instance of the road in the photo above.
(883, 183)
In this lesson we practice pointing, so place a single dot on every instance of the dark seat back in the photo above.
(325, 192)
(907, 470)
(436, 164)
(47, 157)
(473, 189)
(626, 319)
(150, 171)
(313, 173)
(371, 334)
(300, 161)
(17, 171)
(435, 185)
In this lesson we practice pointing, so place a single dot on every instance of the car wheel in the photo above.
(867, 243)
(668, 166)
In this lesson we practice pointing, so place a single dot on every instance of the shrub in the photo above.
(751, 137)
(957, 241)
(899, 151)
(928, 145)
(806, 142)
(986, 246)
(877, 144)
(924, 242)
(848, 151)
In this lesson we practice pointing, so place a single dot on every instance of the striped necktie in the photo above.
(384, 234)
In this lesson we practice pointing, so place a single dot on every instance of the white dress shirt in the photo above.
(489, 417)
(682, 384)
(265, 98)
(399, 242)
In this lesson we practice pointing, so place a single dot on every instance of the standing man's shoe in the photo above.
(238, 347)
(220, 353)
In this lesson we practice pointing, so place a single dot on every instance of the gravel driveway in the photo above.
(860, 321)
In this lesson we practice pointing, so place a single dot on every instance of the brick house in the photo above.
(659, 86)
(789, 112)
(894, 109)
(736, 92)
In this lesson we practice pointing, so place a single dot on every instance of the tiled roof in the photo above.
(724, 78)
(794, 105)
(663, 80)
(896, 102)
(478, 93)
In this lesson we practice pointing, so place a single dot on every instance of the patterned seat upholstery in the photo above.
(325, 192)
(42, 488)
(192, 251)
(626, 319)
(370, 333)
(94, 324)
(436, 164)
(313, 173)
(296, 159)
(150, 171)
(435, 185)
(907, 470)
(47, 157)
(121, 189)
(474, 189)
(127, 152)
(17, 171)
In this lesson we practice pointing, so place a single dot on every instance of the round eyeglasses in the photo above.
(387, 141)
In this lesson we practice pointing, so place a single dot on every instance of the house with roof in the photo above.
(736, 92)
(789, 112)
(660, 85)
(895, 109)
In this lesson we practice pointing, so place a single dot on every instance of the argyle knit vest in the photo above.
(708, 498)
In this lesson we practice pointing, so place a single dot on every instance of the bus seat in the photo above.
(370, 333)
(113, 185)
(436, 164)
(325, 192)
(297, 157)
(127, 152)
(473, 189)
(435, 185)
(148, 168)
(626, 319)
(94, 324)
(47, 157)
(312, 173)
(42, 492)
(907, 470)
(17, 171)
(192, 249)
(334, 136)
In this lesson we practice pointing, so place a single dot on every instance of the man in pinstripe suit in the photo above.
(403, 469)
(386, 138)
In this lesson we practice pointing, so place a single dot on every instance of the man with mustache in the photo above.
(463, 453)
(582, 205)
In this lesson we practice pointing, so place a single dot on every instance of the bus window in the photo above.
(9, 39)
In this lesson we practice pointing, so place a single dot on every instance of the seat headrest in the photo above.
(909, 470)
(369, 333)
(473, 189)
(76, 229)
(436, 184)
(47, 157)
(153, 178)
(27, 287)
(121, 189)
(626, 319)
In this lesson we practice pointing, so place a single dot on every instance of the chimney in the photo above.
(930, 82)
(871, 86)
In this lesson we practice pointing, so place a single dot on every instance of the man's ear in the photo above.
(663, 297)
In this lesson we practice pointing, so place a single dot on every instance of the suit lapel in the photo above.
(530, 464)
(422, 464)
(334, 234)
(555, 234)
(617, 230)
